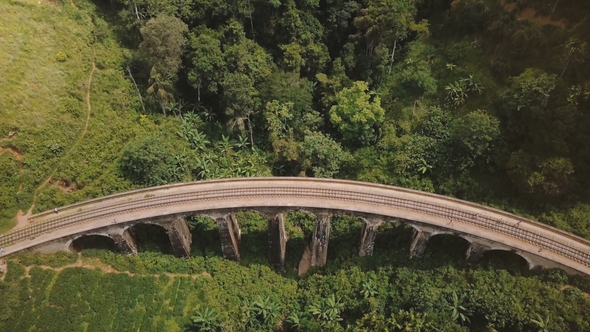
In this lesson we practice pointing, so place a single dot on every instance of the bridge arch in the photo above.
(448, 244)
(80, 243)
(150, 236)
(542, 244)
(503, 254)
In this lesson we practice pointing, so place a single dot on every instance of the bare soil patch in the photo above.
(93, 264)
(530, 14)
(64, 185)
(22, 219)
(14, 151)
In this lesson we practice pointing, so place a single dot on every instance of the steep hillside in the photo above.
(67, 107)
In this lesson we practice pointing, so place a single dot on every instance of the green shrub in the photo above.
(61, 56)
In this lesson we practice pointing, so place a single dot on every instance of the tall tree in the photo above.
(285, 88)
(573, 50)
(357, 113)
(159, 89)
(544, 178)
(322, 156)
(525, 103)
(383, 22)
(240, 101)
(473, 135)
(164, 38)
(151, 162)
(246, 57)
(207, 61)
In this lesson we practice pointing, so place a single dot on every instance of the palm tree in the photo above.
(573, 49)
(261, 311)
(241, 102)
(207, 320)
(294, 320)
(267, 310)
(456, 93)
(198, 140)
(191, 118)
(369, 289)
(159, 89)
(459, 310)
(542, 324)
(203, 164)
(225, 145)
(327, 311)
(241, 143)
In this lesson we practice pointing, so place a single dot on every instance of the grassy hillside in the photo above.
(67, 104)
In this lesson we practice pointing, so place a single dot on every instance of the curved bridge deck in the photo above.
(427, 213)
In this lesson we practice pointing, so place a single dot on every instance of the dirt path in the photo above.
(93, 264)
(530, 14)
(88, 103)
(17, 154)
(89, 264)
(23, 219)
(88, 113)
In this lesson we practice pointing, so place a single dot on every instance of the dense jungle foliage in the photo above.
(484, 100)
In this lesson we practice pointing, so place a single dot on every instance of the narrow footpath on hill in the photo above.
(23, 219)
(94, 264)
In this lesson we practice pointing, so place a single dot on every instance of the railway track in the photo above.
(542, 236)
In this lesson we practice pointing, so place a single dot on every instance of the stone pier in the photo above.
(180, 236)
(318, 247)
(277, 241)
(230, 235)
(475, 252)
(419, 242)
(368, 234)
(124, 240)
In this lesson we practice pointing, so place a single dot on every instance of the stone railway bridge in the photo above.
(429, 214)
